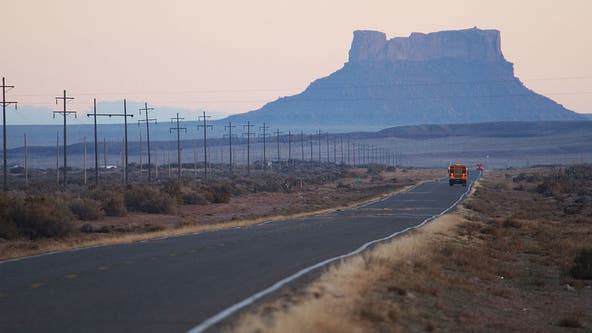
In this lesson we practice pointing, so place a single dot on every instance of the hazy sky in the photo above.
(233, 56)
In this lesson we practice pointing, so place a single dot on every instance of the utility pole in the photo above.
(169, 158)
(348, 161)
(26, 163)
(248, 134)
(126, 162)
(124, 115)
(65, 113)
(341, 147)
(195, 153)
(319, 133)
(178, 129)
(354, 153)
(277, 135)
(140, 147)
(4, 105)
(105, 159)
(83, 160)
(328, 154)
(289, 147)
(229, 127)
(335, 149)
(96, 143)
(362, 154)
(122, 155)
(265, 135)
(302, 145)
(147, 120)
(205, 127)
(58, 158)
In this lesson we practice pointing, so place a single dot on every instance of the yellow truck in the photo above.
(457, 174)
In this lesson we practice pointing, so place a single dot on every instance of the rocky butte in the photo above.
(458, 76)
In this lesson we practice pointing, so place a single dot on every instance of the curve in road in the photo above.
(169, 285)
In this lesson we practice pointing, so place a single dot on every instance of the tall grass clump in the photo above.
(582, 267)
(149, 200)
(112, 202)
(86, 209)
(34, 217)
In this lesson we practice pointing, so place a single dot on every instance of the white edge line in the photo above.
(250, 300)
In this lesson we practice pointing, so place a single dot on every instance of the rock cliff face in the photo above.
(470, 44)
(442, 77)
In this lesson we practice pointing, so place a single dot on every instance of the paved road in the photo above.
(171, 285)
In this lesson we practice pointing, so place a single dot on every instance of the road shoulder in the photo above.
(475, 268)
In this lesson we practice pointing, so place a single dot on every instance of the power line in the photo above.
(265, 89)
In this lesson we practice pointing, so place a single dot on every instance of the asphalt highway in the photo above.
(174, 284)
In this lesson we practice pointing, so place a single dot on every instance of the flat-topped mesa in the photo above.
(470, 44)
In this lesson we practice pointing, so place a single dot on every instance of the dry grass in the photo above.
(120, 227)
(345, 298)
(501, 262)
(187, 226)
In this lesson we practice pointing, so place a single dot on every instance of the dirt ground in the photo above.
(246, 209)
(502, 262)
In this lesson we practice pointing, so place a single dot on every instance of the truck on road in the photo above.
(458, 174)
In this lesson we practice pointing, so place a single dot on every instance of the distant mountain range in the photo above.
(27, 114)
(443, 77)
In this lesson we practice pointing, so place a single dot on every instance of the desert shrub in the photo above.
(269, 185)
(8, 229)
(221, 193)
(194, 198)
(571, 321)
(548, 188)
(511, 223)
(582, 267)
(86, 209)
(112, 202)
(375, 169)
(149, 200)
(173, 189)
(37, 217)
(87, 228)
(376, 179)
(341, 185)
(154, 227)
(575, 179)
(529, 178)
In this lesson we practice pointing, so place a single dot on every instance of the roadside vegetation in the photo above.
(45, 218)
(515, 257)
